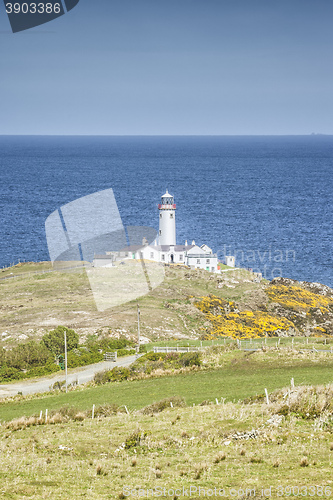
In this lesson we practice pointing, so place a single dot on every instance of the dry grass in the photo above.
(92, 454)
(219, 457)
(306, 401)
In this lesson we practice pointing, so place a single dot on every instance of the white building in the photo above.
(165, 250)
(167, 226)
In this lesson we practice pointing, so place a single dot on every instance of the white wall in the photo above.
(167, 227)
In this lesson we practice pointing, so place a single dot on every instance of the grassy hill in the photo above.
(188, 304)
(34, 300)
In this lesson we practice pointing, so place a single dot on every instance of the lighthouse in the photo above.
(167, 226)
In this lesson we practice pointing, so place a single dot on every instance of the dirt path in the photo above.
(78, 375)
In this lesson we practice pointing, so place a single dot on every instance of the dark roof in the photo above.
(131, 248)
(184, 248)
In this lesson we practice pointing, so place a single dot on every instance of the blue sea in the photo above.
(266, 200)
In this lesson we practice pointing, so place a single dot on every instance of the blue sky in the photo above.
(150, 67)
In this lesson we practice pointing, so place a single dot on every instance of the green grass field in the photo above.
(243, 375)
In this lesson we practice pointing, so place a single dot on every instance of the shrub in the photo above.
(24, 356)
(101, 377)
(108, 344)
(219, 457)
(55, 341)
(56, 419)
(79, 417)
(307, 402)
(135, 439)
(125, 352)
(68, 412)
(117, 374)
(107, 410)
(190, 359)
(155, 360)
(73, 360)
(159, 406)
(8, 373)
(304, 462)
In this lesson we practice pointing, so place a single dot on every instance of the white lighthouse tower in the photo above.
(167, 226)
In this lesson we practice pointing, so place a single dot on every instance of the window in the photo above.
(207, 261)
(213, 269)
(160, 216)
(171, 216)
(163, 256)
(198, 261)
(160, 232)
(151, 255)
(181, 256)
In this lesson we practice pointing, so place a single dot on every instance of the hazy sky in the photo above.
(171, 67)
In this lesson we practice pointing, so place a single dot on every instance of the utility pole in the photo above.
(65, 359)
(138, 346)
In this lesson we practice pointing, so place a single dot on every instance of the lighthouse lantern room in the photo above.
(167, 226)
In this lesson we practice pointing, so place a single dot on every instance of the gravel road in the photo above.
(79, 375)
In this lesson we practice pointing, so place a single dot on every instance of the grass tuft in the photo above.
(219, 457)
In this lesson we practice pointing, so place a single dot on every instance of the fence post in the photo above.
(267, 399)
(46, 416)
(93, 411)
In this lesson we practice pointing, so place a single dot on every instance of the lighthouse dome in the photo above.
(167, 199)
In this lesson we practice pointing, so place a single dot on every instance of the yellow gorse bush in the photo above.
(226, 321)
(296, 298)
